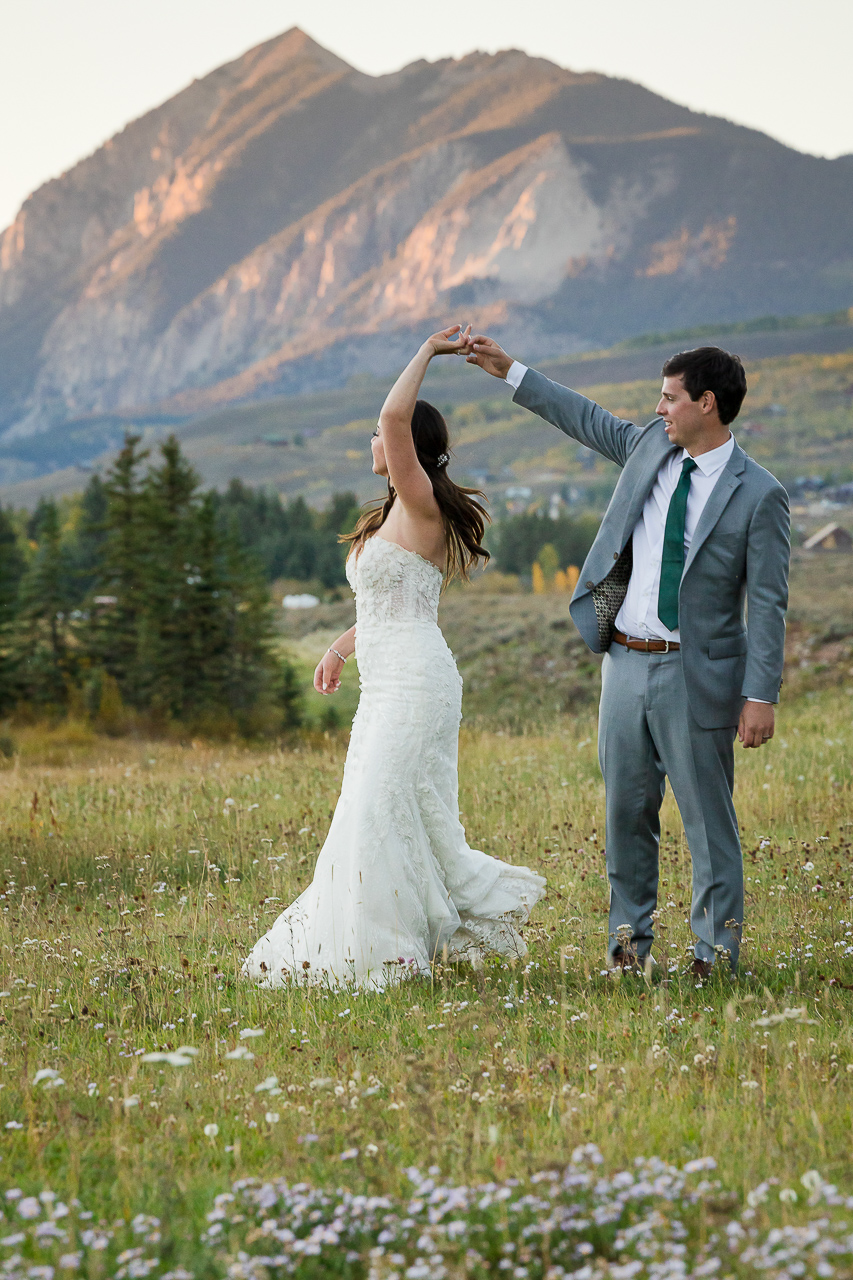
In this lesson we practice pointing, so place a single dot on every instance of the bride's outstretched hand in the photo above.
(454, 341)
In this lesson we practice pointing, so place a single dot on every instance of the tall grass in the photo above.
(136, 876)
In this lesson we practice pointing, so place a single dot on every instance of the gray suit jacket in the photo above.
(739, 553)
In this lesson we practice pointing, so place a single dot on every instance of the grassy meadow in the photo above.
(136, 875)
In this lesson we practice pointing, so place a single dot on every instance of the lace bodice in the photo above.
(392, 584)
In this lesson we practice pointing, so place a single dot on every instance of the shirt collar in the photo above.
(710, 462)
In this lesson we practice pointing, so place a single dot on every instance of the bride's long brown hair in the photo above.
(463, 517)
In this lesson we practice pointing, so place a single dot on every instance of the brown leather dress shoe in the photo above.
(701, 969)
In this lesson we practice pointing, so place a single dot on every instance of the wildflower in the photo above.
(249, 1033)
(757, 1196)
(132, 1101)
(211, 1130)
(13, 1124)
(272, 1117)
(371, 1149)
(240, 1054)
(349, 1154)
(29, 1207)
(177, 1059)
(588, 1153)
(788, 1195)
(270, 1085)
(48, 1078)
(813, 1182)
(92, 1089)
(787, 1015)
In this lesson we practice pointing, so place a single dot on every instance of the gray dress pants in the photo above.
(647, 734)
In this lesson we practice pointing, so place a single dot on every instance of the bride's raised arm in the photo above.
(411, 482)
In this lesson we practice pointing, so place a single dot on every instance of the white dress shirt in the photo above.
(639, 613)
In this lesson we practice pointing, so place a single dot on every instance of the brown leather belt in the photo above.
(646, 646)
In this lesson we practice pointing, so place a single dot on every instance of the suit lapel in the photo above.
(647, 474)
(718, 501)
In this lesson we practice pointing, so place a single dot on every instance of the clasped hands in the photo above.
(477, 349)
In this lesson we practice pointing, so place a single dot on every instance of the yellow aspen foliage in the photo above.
(572, 575)
(549, 562)
(538, 579)
(560, 581)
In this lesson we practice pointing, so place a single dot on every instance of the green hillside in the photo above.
(797, 420)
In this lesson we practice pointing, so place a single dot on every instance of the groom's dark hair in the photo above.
(711, 369)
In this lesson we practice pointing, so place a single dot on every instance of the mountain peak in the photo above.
(287, 221)
(291, 46)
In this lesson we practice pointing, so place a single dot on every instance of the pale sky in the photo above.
(76, 71)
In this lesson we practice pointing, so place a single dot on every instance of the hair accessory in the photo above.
(442, 460)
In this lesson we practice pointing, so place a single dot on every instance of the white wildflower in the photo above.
(270, 1085)
(241, 1054)
(48, 1078)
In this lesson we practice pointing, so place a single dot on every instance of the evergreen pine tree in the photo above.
(44, 654)
(86, 550)
(252, 668)
(121, 578)
(168, 632)
(12, 568)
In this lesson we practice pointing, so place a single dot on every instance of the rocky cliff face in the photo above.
(288, 221)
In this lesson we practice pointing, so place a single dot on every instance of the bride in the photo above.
(396, 885)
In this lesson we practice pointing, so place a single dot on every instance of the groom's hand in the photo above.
(489, 356)
(757, 722)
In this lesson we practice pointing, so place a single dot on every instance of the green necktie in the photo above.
(672, 561)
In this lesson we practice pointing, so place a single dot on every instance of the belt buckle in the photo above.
(666, 650)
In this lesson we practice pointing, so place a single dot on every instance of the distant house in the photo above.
(830, 538)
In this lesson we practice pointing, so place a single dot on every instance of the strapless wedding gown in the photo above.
(396, 881)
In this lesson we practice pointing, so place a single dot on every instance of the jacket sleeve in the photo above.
(580, 418)
(768, 555)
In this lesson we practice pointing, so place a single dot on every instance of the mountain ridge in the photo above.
(288, 221)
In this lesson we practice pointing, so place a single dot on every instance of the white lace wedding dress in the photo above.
(395, 881)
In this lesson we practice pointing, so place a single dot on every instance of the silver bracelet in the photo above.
(337, 655)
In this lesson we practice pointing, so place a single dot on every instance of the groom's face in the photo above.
(684, 419)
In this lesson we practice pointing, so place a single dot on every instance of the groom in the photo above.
(694, 530)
